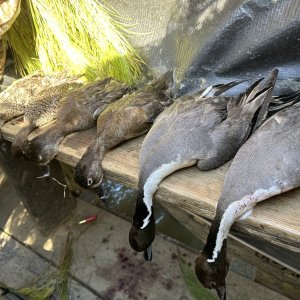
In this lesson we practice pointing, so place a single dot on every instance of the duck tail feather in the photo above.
(218, 89)
(281, 99)
(243, 104)
(280, 102)
(269, 87)
(251, 92)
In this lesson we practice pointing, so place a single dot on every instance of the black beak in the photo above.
(221, 292)
(100, 192)
(148, 253)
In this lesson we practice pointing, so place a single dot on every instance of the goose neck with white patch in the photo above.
(142, 212)
(239, 209)
(155, 178)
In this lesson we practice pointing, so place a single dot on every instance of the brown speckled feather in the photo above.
(22, 92)
(75, 112)
(42, 110)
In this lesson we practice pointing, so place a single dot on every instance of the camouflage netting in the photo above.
(211, 41)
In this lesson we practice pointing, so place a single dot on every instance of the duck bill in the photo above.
(148, 253)
(100, 192)
(221, 291)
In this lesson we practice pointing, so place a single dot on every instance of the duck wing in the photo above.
(180, 135)
(280, 102)
(178, 127)
(228, 136)
(84, 104)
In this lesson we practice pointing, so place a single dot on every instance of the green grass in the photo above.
(53, 282)
(82, 37)
(21, 39)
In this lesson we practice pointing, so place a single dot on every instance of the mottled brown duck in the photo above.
(22, 92)
(77, 111)
(127, 118)
(42, 111)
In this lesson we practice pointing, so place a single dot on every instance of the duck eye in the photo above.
(90, 181)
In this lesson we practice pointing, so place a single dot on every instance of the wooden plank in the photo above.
(276, 220)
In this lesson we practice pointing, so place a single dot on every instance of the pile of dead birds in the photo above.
(259, 131)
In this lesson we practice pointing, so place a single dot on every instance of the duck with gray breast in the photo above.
(42, 110)
(127, 118)
(75, 112)
(266, 165)
(204, 129)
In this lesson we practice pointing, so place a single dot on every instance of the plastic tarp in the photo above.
(215, 41)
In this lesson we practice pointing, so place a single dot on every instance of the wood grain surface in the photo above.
(276, 220)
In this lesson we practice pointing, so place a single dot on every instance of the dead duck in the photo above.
(42, 110)
(266, 165)
(194, 130)
(75, 112)
(127, 118)
(15, 99)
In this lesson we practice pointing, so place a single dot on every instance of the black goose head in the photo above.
(212, 274)
(88, 171)
(140, 239)
(142, 235)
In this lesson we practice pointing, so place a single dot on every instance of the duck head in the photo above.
(142, 232)
(88, 171)
(212, 273)
(140, 239)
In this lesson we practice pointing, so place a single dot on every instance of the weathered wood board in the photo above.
(276, 220)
